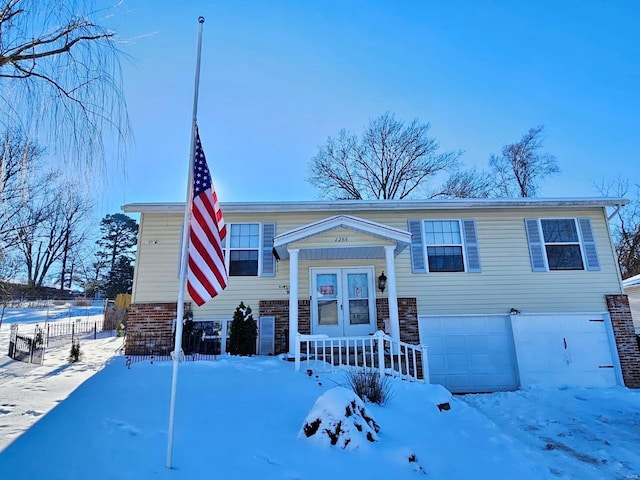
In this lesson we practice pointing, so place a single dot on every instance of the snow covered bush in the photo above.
(369, 385)
(339, 417)
(244, 332)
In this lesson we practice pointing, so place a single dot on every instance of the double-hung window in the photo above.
(248, 249)
(561, 244)
(244, 249)
(444, 246)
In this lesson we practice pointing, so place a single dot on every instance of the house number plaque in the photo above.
(341, 239)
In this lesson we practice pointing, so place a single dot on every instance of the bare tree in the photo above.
(19, 160)
(75, 209)
(49, 228)
(8, 271)
(523, 165)
(61, 75)
(467, 184)
(391, 159)
(625, 225)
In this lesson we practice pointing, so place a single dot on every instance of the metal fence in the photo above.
(57, 333)
(158, 347)
(30, 346)
(27, 348)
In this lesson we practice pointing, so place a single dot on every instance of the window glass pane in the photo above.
(234, 236)
(564, 257)
(327, 312)
(445, 259)
(245, 235)
(243, 263)
(359, 312)
(442, 232)
(358, 285)
(559, 230)
(327, 285)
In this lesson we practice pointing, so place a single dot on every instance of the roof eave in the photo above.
(383, 205)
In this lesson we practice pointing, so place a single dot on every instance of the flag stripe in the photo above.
(207, 275)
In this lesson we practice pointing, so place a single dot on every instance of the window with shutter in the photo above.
(561, 244)
(444, 246)
(249, 245)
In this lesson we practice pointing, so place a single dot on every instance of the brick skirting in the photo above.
(408, 315)
(625, 336)
(145, 319)
(279, 309)
(157, 318)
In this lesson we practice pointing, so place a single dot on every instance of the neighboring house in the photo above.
(505, 293)
(632, 289)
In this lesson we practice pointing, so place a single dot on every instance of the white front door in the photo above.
(342, 301)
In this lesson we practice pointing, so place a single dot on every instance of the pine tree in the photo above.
(116, 254)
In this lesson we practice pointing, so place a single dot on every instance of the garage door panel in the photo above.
(564, 349)
(456, 364)
(454, 342)
(470, 353)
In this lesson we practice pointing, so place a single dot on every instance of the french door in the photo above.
(342, 301)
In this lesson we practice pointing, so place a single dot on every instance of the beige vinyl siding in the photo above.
(506, 280)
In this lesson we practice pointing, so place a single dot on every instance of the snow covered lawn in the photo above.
(242, 418)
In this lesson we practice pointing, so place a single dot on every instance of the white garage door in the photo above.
(564, 350)
(471, 353)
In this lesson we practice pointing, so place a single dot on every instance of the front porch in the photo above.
(335, 263)
(279, 310)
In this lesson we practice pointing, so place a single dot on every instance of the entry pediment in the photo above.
(340, 223)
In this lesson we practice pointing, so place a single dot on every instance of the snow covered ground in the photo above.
(242, 418)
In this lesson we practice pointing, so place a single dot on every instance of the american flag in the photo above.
(207, 275)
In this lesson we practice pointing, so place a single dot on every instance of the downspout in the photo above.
(618, 207)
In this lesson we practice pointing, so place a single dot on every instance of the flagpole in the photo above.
(184, 258)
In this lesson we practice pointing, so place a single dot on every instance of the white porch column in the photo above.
(392, 291)
(293, 298)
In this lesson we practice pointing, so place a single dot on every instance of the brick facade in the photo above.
(625, 336)
(279, 309)
(408, 315)
(145, 320)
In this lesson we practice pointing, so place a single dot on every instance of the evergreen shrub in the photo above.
(244, 332)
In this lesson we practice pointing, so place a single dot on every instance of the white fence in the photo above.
(378, 351)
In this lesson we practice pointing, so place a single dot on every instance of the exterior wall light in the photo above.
(382, 281)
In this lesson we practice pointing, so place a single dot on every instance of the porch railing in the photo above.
(377, 351)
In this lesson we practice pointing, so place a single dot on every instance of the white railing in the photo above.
(379, 351)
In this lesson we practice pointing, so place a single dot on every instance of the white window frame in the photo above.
(227, 248)
(461, 244)
(580, 244)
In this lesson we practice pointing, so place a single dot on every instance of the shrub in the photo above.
(75, 353)
(244, 332)
(187, 330)
(38, 337)
(369, 385)
(119, 329)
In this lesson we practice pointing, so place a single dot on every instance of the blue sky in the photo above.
(279, 77)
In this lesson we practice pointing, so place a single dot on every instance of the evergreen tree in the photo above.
(244, 332)
(116, 253)
(120, 279)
